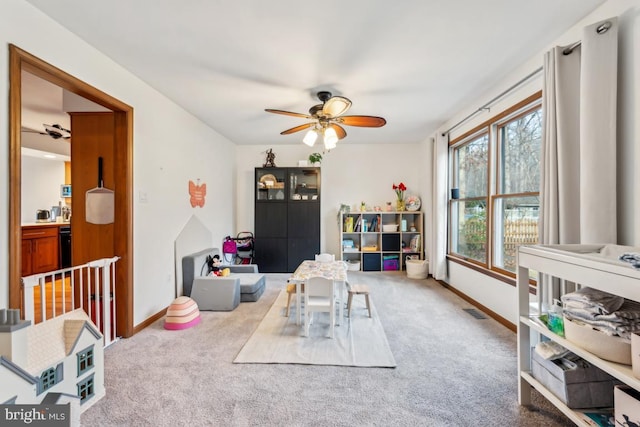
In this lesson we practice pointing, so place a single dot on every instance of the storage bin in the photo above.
(612, 348)
(353, 265)
(417, 268)
(390, 262)
(371, 262)
(627, 406)
(391, 242)
(586, 386)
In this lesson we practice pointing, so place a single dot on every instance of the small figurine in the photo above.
(270, 159)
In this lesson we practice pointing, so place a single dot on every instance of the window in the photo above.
(85, 389)
(496, 168)
(85, 360)
(468, 213)
(49, 378)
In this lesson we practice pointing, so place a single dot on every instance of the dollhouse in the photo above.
(60, 360)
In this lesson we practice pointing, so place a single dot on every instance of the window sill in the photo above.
(491, 273)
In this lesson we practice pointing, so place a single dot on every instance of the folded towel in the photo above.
(551, 350)
(632, 258)
(594, 300)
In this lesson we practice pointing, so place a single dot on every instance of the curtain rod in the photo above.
(600, 29)
(486, 106)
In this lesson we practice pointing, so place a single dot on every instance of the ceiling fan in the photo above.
(55, 131)
(327, 119)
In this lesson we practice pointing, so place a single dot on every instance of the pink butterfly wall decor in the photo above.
(197, 193)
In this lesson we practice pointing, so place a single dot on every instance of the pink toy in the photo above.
(183, 313)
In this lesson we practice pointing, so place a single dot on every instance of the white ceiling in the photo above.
(413, 62)
(44, 103)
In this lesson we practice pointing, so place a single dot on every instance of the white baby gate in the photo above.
(99, 302)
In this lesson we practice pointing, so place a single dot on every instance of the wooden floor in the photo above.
(49, 299)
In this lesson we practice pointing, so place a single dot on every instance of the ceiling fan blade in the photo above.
(339, 130)
(362, 121)
(298, 128)
(288, 113)
(335, 106)
(32, 131)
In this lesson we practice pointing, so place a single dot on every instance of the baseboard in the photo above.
(149, 321)
(507, 324)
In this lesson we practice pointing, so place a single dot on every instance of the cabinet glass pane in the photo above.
(270, 184)
(304, 184)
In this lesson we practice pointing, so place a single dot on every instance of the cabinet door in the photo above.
(271, 220)
(27, 265)
(45, 254)
(304, 184)
(304, 220)
(300, 249)
(271, 255)
(271, 184)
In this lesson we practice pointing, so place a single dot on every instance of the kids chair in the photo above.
(319, 297)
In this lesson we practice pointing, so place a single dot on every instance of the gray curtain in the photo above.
(578, 166)
(578, 161)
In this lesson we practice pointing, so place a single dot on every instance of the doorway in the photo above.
(122, 140)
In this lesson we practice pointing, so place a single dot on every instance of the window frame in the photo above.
(49, 378)
(85, 357)
(86, 385)
(494, 193)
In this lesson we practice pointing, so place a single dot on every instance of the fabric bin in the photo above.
(607, 347)
(586, 386)
(390, 262)
(371, 262)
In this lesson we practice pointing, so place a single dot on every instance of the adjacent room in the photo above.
(347, 213)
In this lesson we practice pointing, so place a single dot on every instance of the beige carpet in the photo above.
(358, 341)
(452, 370)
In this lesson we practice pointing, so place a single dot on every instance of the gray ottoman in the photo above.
(216, 293)
(251, 286)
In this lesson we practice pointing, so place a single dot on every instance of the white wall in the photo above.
(41, 180)
(350, 173)
(171, 147)
(499, 296)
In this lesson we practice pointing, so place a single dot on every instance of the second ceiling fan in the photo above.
(327, 120)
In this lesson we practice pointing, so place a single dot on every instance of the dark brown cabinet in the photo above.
(39, 249)
(287, 217)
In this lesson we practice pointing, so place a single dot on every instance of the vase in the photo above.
(399, 205)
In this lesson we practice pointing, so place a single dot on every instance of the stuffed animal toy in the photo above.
(224, 272)
(214, 265)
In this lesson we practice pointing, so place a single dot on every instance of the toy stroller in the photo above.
(239, 249)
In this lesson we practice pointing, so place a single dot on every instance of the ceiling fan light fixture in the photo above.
(336, 106)
(326, 119)
(310, 137)
(330, 138)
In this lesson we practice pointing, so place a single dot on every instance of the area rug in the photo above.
(358, 341)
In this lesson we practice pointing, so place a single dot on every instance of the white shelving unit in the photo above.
(575, 264)
(373, 247)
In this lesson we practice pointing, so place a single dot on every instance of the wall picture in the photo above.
(65, 190)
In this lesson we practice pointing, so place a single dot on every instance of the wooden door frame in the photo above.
(20, 60)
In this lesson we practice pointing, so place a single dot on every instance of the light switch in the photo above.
(142, 197)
